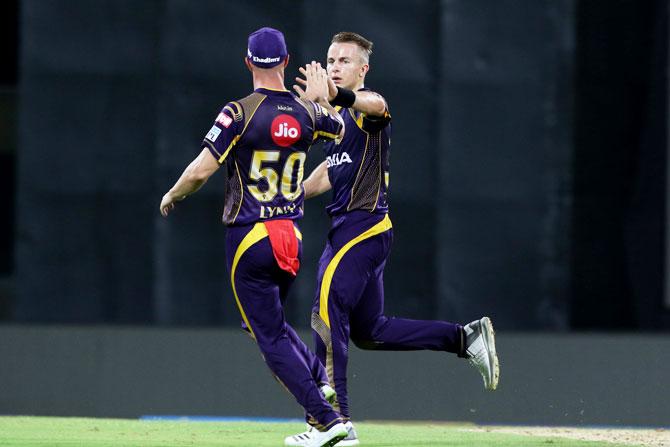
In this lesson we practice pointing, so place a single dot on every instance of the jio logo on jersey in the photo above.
(285, 130)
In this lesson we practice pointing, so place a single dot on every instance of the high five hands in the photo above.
(318, 87)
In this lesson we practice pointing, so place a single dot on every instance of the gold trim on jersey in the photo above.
(359, 120)
(248, 120)
(222, 158)
(359, 123)
(246, 124)
(233, 143)
(237, 115)
(382, 226)
(211, 146)
(310, 110)
(274, 89)
(239, 207)
(358, 174)
(381, 172)
(322, 133)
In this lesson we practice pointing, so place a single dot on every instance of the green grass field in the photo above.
(80, 432)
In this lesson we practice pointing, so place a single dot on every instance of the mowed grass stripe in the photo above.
(22, 431)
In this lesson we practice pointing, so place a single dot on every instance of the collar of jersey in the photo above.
(270, 90)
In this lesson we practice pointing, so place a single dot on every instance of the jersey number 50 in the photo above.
(289, 189)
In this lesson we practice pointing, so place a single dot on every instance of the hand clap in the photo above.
(315, 83)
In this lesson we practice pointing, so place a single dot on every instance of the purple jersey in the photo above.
(264, 139)
(358, 166)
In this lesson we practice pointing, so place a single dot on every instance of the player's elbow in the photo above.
(375, 106)
(380, 109)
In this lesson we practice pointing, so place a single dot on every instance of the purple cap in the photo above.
(266, 48)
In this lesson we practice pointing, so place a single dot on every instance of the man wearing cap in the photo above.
(263, 139)
(349, 301)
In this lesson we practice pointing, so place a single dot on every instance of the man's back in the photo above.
(264, 139)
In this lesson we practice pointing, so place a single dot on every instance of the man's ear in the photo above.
(288, 56)
(247, 63)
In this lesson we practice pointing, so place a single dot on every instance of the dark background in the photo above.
(528, 177)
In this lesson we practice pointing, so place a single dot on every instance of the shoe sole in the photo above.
(488, 335)
(347, 443)
(335, 440)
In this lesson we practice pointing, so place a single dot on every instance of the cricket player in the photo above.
(349, 300)
(263, 139)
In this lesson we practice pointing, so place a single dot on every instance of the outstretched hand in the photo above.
(315, 83)
(167, 204)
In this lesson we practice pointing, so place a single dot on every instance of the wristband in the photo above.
(344, 98)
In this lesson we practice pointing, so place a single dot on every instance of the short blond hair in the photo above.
(349, 37)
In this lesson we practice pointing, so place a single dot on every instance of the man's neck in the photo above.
(272, 80)
(357, 86)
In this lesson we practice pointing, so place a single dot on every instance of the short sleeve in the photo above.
(225, 132)
(374, 124)
(326, 126)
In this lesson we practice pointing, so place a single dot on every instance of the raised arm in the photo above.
(370, 103)
(316, 90)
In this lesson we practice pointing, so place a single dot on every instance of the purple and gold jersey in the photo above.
(358, 166)
(264, 139)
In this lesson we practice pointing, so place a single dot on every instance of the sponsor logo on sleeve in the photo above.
(285, 130)
(213, 134)
(224, 120)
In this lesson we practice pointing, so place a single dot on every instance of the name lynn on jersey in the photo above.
(271, 211)
(337, 159)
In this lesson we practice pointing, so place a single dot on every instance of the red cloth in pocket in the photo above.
(284, 244)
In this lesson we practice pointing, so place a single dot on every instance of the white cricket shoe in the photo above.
(351, 439)
(480, 350)
(316, 438)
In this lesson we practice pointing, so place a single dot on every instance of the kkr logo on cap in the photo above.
(285, 130)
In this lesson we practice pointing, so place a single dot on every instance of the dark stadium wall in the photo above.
(8, 135)
(487, 159)
(132, 372)
(621, 124)
(505, 136)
